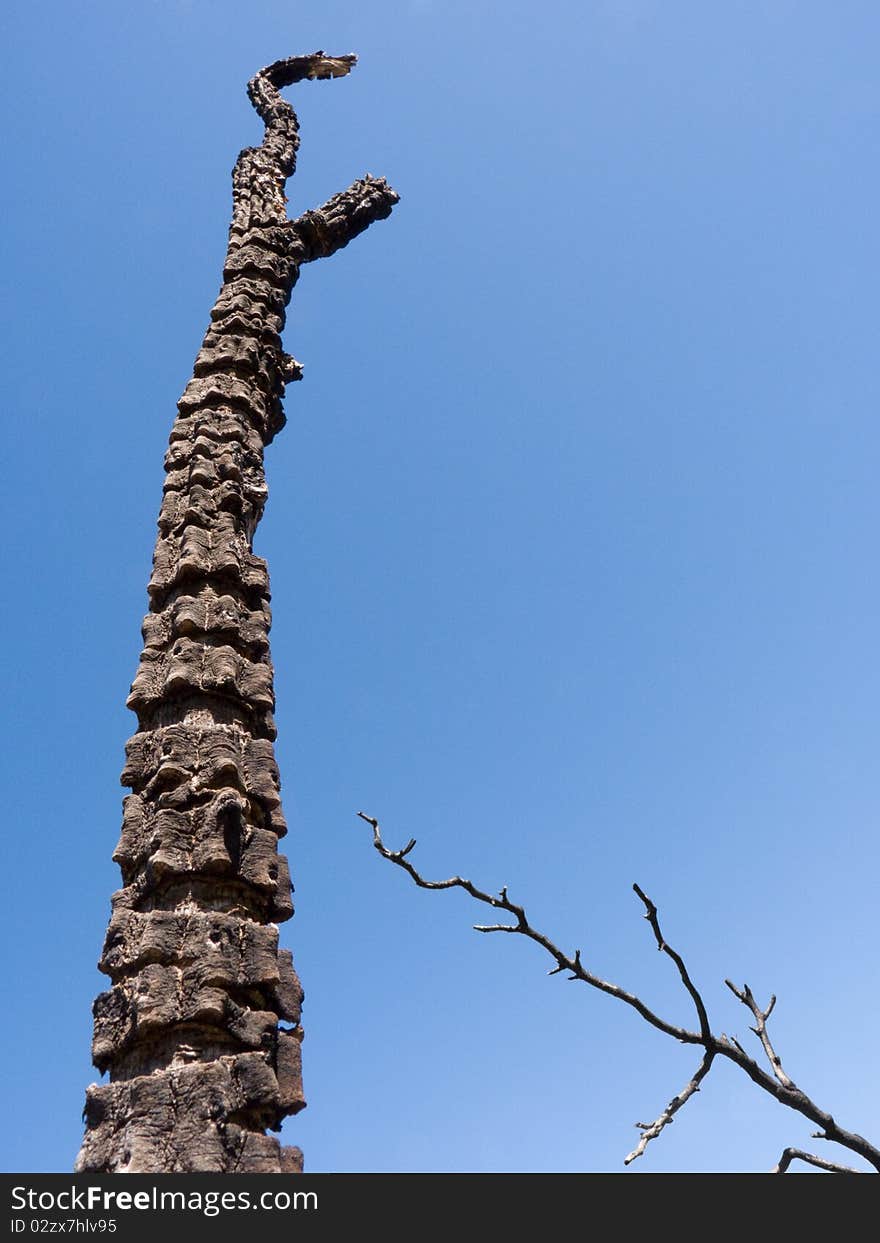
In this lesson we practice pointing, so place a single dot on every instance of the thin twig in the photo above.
(564, 962)
(797, 1154)
(652, 1130)
(746, 996)
(653, 920)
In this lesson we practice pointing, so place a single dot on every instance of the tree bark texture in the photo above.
(200, 1029)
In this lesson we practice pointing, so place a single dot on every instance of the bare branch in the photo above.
(746, 996)
(798, 1100)
(652, 1130)
(653, 920)
(797, 1154)
(564, 962)
(778, 1084)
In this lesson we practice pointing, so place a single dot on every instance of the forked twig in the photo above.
(746, 996)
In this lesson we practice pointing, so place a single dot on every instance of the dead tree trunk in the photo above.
(200, 1030)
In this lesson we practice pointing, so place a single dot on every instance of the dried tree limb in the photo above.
(564, 962)
(778, 1084)
(653, 920)
(797, 1154)
(746, 996)
(652, 1130)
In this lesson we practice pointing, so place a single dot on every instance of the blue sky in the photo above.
(572, 535)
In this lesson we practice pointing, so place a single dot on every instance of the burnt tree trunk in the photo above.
(200, 1029)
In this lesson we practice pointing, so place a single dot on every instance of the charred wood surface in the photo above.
(199, 1030)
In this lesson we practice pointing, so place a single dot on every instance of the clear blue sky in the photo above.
(572, 534)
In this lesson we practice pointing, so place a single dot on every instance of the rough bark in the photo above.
(200, 1029)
